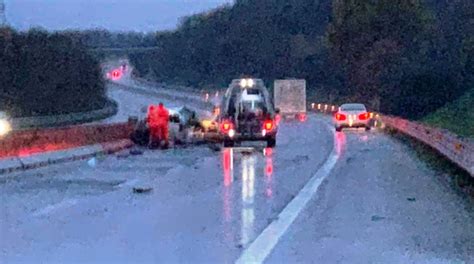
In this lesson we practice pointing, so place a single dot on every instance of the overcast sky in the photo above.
(138, 15)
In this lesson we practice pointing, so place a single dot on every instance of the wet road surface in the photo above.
(378, 204)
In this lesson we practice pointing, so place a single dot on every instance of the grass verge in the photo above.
(457, 116)
(447, 170)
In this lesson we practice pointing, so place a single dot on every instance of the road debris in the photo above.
(136, 151)
(142, 189)
(376, 218)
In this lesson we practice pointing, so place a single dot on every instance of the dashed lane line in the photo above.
(263, 245)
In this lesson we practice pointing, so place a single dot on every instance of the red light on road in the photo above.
(267, 152)
(301, 117)
(364, 116)
(340, 117)
(227, 166)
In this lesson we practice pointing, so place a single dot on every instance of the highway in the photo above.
(318, 197)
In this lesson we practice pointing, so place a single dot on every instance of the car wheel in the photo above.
(338, 129)
(271, 143)
(367, 128)
(228, 143)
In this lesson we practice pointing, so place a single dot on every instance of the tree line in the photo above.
(46, 74)
(404, 57)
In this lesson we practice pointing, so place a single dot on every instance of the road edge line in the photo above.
(264, 244)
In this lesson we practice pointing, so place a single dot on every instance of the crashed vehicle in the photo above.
(211, 124)
(181, 120)
(247, 113)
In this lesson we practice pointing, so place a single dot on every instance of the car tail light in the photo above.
(340, 117)
(268, 125)
(364, 116)
(226, 126)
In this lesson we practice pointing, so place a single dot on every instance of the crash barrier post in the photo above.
(26, 142)
(21, 123)
(456, 149)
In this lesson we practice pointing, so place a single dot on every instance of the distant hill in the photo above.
(404, 57)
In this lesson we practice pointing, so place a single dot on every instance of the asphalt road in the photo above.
(356, 197)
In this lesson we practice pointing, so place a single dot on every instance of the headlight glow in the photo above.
(5, 127)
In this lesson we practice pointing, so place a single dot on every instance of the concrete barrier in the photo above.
(63, 120)
(27, 142)
(14, 164)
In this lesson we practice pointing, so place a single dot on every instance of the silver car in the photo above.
(351, 115)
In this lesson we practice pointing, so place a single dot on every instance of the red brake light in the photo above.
(340, 117)
(268, 125)
(226, 126)
(364, 116)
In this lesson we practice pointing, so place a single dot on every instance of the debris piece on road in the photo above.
(136, 151)
(101, 156)
(142, 189)
(123, 155)
(92, 162)
(411, 199)
(377, 218)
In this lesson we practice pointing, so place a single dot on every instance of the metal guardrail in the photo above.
(455, 148)
(48, 139)
(458, 150)
(64, 120)
(168, 94)
(206, 95)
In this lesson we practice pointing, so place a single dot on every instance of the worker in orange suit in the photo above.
(158, 119)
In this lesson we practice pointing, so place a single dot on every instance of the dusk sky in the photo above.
(138, 15)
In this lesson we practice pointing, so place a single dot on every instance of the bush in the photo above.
(46, 74)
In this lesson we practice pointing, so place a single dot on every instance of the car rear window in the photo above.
(353, 107)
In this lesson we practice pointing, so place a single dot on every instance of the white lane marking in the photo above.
(51, 208)
(263, 245)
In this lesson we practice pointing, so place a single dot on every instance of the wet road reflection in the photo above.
(252, 167)
(228, 167)
(248, 193)
(340, 143)
(268, 171)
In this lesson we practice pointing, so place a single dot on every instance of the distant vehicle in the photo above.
(5, 126)
(247, 113)
(290, 98)
(351, 115)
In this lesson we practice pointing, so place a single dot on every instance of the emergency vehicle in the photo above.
(247, 113)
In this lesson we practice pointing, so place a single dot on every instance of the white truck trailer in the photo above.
(290, 98)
